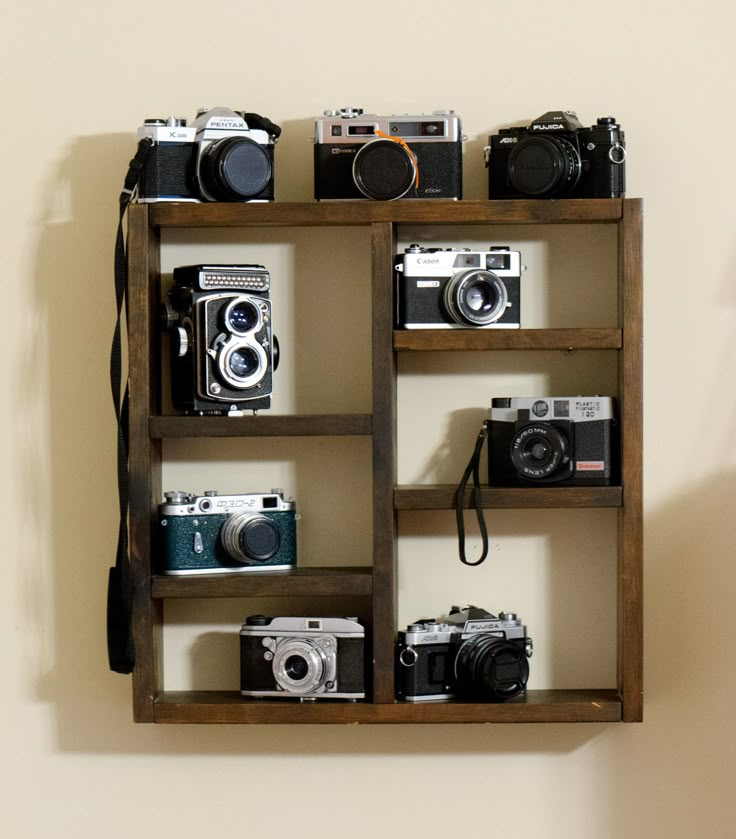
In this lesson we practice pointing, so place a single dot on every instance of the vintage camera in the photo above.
(564, 440)
(557, 157)
(211, 533)
(223, 156)
(359, 155)
(302, 657)
(470, 654)
(223, 352)
(456, 289)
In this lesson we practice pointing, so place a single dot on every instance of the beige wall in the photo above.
(78, 79)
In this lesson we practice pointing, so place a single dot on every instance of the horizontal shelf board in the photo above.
(442, 497)
(309, 582)
(536, 706)
(345, 213)
(270, 425)
(507, 339)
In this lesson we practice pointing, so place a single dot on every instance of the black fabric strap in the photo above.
(473, 468)
(262, 123)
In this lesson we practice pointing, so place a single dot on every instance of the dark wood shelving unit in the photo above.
(149, 427)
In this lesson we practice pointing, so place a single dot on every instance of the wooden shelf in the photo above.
(442, 340)
(442, 497)
(306, 425)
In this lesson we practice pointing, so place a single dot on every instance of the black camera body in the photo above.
(470, 654)
(224, 155)
(223, 352)
(557, 157)
(359, 155)
(560, 440)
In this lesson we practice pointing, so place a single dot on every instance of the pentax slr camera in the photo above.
(211, 533)
(557, 157)
(223, 156)
(223, 352)
(564, 440)
(301, 657)
(359, 155)
(470, 654)
(457, 289)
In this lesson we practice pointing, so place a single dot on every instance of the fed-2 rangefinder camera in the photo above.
(458, 288)
(557, 157)
(223, 351)
(562, 440)
(304, 658)
(470, 654)
(223, 155)
(359, 155)
(211, 533)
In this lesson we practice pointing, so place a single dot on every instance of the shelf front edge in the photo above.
(442, 497)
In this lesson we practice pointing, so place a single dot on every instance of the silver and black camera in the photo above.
(211, 533)
(223, 155)
(302, 657)
(563, 440)
(458, 288)
(223, 352)
(470, 654)
(359, 155)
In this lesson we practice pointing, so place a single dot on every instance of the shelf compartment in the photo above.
(429, 340)
(442, 497)
(304, 425)
(356, 581)
(537, 706)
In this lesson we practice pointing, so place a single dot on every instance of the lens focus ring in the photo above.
(250, 538)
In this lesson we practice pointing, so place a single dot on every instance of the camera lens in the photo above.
(540, 452)
(544, 166)
(302, 666)
(491, 669)
(241, 364)
(475, 298)
(296, 667)
(250, 538)
(384, 170)
(242, 317)
(234, 169)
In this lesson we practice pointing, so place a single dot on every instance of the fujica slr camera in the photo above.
(211, 533)
(223, 156)
(359, 155)
(557, 157)
(552, 440)
(470, 654)
(302, 657)
(223, 352)
(454, 289)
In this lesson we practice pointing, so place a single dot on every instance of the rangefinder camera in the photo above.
(470, 654)
(557, 157)
(359, 155)
(223, 352)
(306, 658)
(564, 440)
(458, 288)
(212, 534)
(223, 155)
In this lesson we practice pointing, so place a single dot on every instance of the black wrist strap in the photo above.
(473, 468)
(120, 647)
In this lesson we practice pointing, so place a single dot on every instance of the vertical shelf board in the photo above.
(385, 613)
(630, 540)
(144, 454)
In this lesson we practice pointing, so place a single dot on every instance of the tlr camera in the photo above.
(211, 533)
(302, 657)
(556, 157)
(455, 289)
(552, 440)
(223, 156)
(470, 654)
(223, 352)
(359, 155)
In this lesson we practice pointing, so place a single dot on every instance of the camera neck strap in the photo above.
(262, 123)
(120, 646)
(473, 468)
(407, 149)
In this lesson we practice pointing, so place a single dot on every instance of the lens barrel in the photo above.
(476, 298)
(491, 669)
(234, 169)
(544, 166)
(539, 451)
(250, 538)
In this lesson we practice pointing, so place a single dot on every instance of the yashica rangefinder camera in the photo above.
(557, 157)
(470, 654)
(457, 289)
(224, 155)
(302, 657)
(564, 440)
(359, 155)
(211, 533)
(223, 352)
